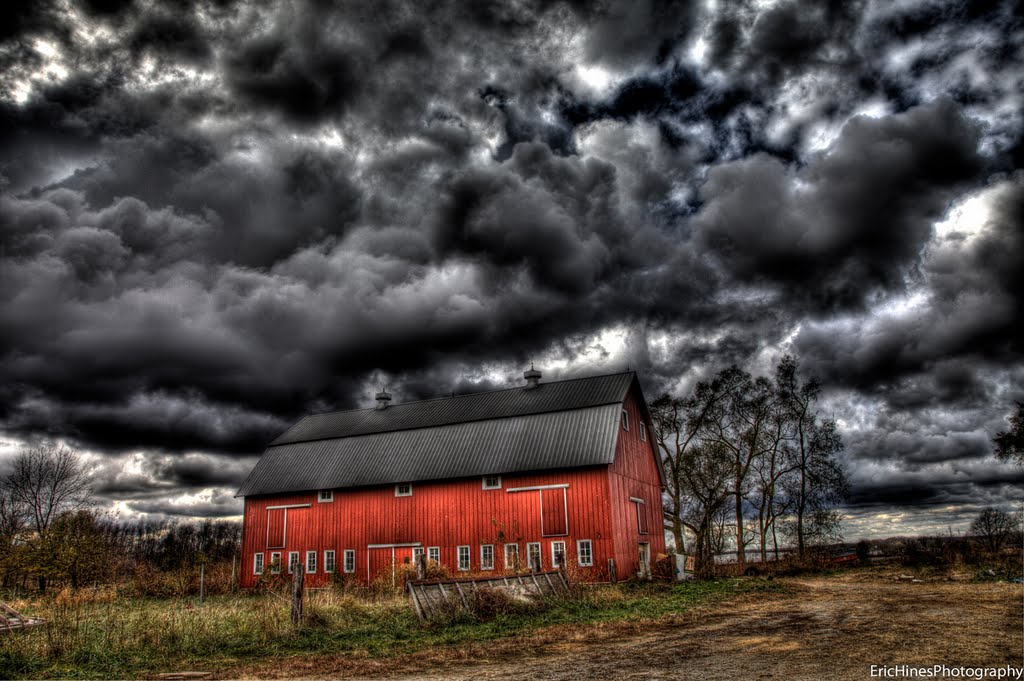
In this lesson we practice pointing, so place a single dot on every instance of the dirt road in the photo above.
(832, 628)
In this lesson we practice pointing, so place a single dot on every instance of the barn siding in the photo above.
(446, 513)
(635, 474)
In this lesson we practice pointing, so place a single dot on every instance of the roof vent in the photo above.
(383, 397)
(532, 378)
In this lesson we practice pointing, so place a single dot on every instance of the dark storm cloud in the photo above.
(853, 220)
(216, 217)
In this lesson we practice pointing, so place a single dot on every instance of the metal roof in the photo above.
(563, 424)
(546, 397)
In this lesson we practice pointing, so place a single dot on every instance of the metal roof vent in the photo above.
(532, 378)
(383, 397)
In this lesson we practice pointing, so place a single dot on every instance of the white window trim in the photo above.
(469, 558)
(332, 563)
(554, 554)
(352, 553)
(403, 494)
(417, 551)
(275, 562)
(293, 563)
(643, 431)
(483, 563)
(257, 563)
(579, 552)
(325, 496)
(540, 554)
(511, 565)
(625, 420)
(483, 482)
(310, 554)
(435, 551)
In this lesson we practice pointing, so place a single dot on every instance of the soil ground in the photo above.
(832, 627)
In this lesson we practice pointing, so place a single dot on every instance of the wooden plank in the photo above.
(415, 602)
(465, 603)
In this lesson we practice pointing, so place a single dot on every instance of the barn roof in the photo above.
(561, 424)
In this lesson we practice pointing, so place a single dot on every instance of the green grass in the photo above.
(89, 637)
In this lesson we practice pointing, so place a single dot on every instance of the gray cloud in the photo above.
(217, 219)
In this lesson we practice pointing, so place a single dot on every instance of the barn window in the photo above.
(325, 495)
(625, 420)
(257, 564)
(487, 557)
(350, 561)
(275, 562)
(310, 562)
(463, 557)
(557, 554)
(434, 554)
(533, 556)
(643, 431)
(417, 551)
(329, 561)
(511, 556)
(585, 552)
(293, 561)
(492, 482)
(403, 489)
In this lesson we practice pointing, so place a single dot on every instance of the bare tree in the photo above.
(820, 479)
(43, 482)
(1010, 443)
(993, 528)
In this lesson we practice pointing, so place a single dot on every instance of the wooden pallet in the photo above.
(11, 619)
(430, 596)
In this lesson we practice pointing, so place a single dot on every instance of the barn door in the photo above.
(553, 519)
(387, 564)
(276, 527)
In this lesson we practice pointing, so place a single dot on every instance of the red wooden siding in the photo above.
(446, 514)
(634, 475)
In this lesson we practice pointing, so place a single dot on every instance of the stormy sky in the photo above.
(216, 217)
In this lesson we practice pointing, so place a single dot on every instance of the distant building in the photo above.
(491, 482)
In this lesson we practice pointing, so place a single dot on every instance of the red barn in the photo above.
(489, 482)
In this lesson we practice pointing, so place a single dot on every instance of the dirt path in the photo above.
(825, 628)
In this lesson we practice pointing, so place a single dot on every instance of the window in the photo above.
(487, 557)
(417, 551)
(329, 565)
(403, 489)
(463, 557)
(643, 431)
(293, 561)
(625, 420)
(275, 562)
(310, 562)
(350, 561)
(584, 552)
(511, 556)
(557, 554)
(434, 554)
(257, 564)
(533, 555)
(325, 495)
(492, 482)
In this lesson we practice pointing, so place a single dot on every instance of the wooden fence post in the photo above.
(297, 581)
(421, 566)
(611, 571)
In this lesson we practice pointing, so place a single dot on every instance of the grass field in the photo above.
(99, 634)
